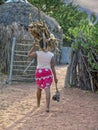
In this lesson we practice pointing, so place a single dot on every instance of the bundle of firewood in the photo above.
(39, 30)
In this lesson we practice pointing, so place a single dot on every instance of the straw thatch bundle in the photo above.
(6, 36)
(14, 21)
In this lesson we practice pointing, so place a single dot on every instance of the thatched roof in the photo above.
(14, 21)
(19, 12)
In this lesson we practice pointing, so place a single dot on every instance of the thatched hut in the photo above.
(14, 21)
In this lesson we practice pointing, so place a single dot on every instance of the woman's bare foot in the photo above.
(47, 109)
(38, 105)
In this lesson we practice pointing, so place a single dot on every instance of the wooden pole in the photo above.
(12, 58)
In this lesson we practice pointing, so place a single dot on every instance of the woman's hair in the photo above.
(42, 45)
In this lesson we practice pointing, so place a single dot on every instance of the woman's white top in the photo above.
(44, 59)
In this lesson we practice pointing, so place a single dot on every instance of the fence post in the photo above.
(12, 58)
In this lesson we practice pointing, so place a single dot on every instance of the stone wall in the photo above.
(65, 55)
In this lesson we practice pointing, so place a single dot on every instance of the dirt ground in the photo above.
(77, 109)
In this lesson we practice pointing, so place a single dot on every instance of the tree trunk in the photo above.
(85, 78)
(71, 76)
(78, 74)
(84, 81)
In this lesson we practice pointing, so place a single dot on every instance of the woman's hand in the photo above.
(32, 52)
(35, 44)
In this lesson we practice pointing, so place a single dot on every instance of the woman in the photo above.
(45, 71)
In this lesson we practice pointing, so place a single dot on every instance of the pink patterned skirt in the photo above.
(43, 77)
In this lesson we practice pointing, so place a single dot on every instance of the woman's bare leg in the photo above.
(38, 96)
(47, 91)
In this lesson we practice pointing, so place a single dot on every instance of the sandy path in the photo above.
(77, 109)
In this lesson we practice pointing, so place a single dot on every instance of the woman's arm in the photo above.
(32, 53)
(53, 70)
